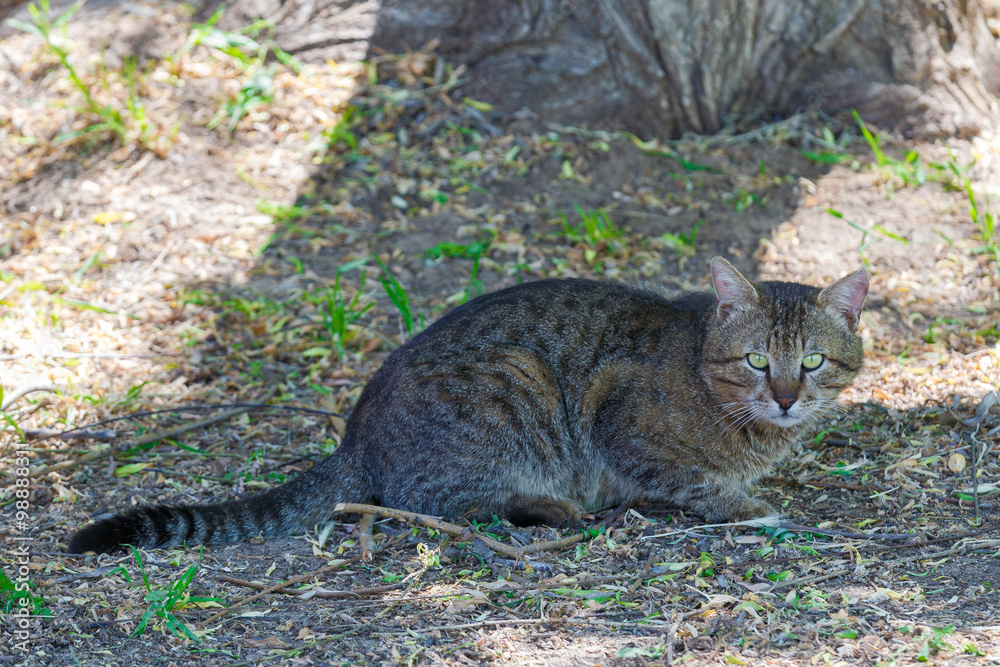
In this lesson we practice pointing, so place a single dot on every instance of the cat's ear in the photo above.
(846, 297)
(732, 289)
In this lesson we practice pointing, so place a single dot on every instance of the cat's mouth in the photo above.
(785, 419)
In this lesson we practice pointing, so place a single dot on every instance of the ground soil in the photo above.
(195, 273)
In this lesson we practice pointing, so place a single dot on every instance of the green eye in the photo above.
(812, 361)
(758, 361)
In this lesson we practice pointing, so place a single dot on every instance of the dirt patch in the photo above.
(133, 282)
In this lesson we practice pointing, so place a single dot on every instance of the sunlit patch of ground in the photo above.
(130, 281)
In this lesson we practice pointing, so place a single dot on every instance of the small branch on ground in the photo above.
(321, 594)
(77, 434)
(461, 532)
(146, 439)
(429, 522)
(365, 537)
(829, 485)
(848, 535)
(282, 585)
(14, 396)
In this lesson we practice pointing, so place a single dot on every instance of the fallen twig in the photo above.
(650, 559)
(459, 531)
(14, 396)
(284, 584)
(146, 439)
(536, 565)
(429, 522)
(553, 545)
(538, 621)
(191, 408)
(320, 594)
(668, 658)
(76, 434)
(365, 537)
(969, 504)
(829, 485)
(842, 571)
(848, 535)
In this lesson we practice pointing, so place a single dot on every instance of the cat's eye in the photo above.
(758, 361)
(812, 361)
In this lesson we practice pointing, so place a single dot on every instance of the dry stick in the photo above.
(12, 397)
(284, 584)
(672, 632)
(845, 570)
(975, 472)
(823, 485)
(645, 570)
(429, 522)
(459, 531)
(365, 537)
(989, 528)
(553, 545)
(851, 536)
(573, 620)
(322, 594)
(146, 439)
(880, 548)
(80, 434)
(965, 503)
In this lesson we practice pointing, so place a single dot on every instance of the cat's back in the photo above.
(568, 317)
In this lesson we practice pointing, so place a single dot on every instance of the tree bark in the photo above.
(664, 67)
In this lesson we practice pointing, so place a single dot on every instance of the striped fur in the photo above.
(548, 398)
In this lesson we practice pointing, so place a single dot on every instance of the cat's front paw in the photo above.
(541, 510)
(752, 508)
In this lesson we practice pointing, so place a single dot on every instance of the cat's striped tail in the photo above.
(296, 506)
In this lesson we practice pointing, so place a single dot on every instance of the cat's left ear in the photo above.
(846, 297)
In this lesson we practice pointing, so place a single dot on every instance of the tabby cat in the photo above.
(549, 398)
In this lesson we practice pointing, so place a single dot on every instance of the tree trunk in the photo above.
(663, 67)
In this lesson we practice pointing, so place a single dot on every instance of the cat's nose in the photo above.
(784, 401)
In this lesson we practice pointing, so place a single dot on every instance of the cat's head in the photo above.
(779, 353)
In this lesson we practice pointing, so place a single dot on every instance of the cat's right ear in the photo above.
(732, 289)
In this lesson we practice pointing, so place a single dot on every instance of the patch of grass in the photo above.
(17, 596)
(127, 120)
(982, 217)
(256, 91)
(452, 250)
(933, 336)
(338, 312)
(827, 157)
(163, 602)
(343, 134)
(934, 643)
(412, 322)
(473, 289)
(682, 243)
(653, 148)
(251, 309)
(865, 243)
(908, 171)
(595, 230)
(13, 424)
(741, 200)
(240, 46)
(249, 55)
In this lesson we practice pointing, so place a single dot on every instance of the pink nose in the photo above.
(784, 401)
